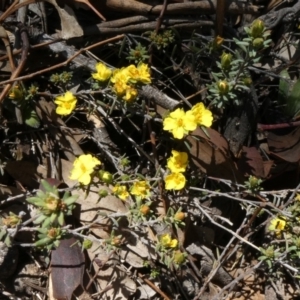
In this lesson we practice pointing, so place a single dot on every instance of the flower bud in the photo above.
(257, 28)
(226, 59)
(258, 43)
(217, 43)
(144, 210)
(254, 181)
(223, 87)
(116, 241)
(105, 176)
(87, 244)
(247, 81)
(124, 162)
(103, 193)
(179, 216)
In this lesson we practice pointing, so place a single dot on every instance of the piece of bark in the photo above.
(242, 121)
(205, 6)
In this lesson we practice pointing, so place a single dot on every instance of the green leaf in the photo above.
(46, 223)
(42, 242)
(7, 241)
(71, 200)
(61, 218)
(2, 233)
(66, 195)
(40, 194)
(53, 217)
(32, 119)
(284, 87)
(48, 187)
(39, 219)
(34, 200)
(293, 100)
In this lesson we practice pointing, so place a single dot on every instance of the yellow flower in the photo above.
(120, 75)
(140, 73)
(178, 161)
(120, 88)
(167, 242)
(179, 123)
(202, 115)
(144, 72)
(277, 225)
(141, 189)
(103, 72)
(83, 167)
(130, 94)
(133, 73)
(297, 197)
(121, 191)
(119, 79)
(65, 103)
(175, 181)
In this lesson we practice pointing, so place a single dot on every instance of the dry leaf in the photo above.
(67, 268)
(251, 163)
(285, 146)
(212, 156)
(70, 28)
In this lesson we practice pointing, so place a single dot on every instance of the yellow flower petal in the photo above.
(140, 189)
(175, 181)
(177, 162)
(202, 115)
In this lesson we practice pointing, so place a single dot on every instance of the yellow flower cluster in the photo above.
(140, 189)
(167, 242)
(124, 79)
(65, 103)
(83, 167)
(179, 122)
(120, 191)
(177, 164)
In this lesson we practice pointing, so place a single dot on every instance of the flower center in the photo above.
(67, 105)
(83, 168)
(180, 122)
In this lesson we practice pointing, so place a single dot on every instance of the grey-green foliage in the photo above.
(289, 94)
(233, 77)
